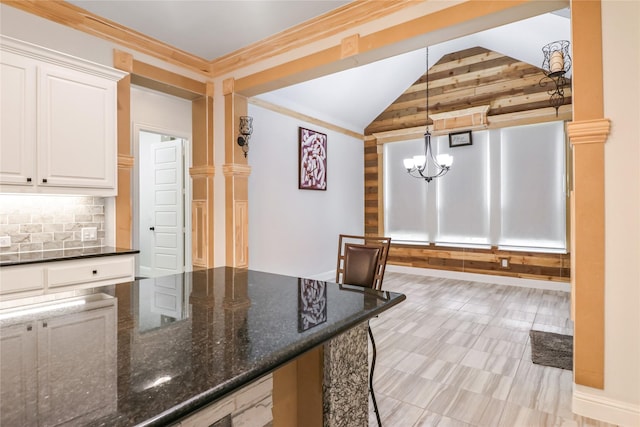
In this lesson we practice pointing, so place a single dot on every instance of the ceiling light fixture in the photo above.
(246, 129)
(428, 166)
(556, 64)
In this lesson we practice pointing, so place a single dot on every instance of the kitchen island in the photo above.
(167, 350)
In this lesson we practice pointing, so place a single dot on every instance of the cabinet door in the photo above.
(76, 129)
(77, 367)
(18, 392)
(17, 119)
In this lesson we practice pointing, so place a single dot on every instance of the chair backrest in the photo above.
(362, 260)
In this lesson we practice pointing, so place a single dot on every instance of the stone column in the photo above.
(346, 379)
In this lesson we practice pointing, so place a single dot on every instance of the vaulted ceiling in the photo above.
(468, 78)
(352, 98)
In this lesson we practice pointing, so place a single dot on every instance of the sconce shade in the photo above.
(246, 129)
(246, 125)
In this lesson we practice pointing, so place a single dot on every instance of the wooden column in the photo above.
(124, 204)
(202, 175)
(236, 173)
(588, 133)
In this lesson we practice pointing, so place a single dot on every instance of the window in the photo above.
(506, 190)
(405, 199)
(532, 190)
(463, 197)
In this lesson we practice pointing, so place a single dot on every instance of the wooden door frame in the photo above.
(202, 171)
(138, 127)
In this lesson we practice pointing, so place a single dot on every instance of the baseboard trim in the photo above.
(327, 276)
(605, 409)
(483, 278)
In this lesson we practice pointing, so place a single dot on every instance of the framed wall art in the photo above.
(312, 155)
(459, 139)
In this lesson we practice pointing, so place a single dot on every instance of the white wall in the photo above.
(619, 402)
(294, 231)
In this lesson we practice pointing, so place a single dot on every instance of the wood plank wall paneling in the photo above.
(460, 80)
(468, 78)
(371, 188)
(528, 265)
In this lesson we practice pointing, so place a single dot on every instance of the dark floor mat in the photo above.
(551, 349)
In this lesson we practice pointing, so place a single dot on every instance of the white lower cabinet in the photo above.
(90, 272)
(29, 280)
(18, 375)
(59, 371)
(25, 280)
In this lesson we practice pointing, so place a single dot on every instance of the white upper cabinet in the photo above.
(18, 119)
(58, 122)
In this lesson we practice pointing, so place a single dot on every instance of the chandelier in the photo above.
(428, 166)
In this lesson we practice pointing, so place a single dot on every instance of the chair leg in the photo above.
(373, 366)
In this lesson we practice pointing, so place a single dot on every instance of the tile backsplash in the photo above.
(50, 222)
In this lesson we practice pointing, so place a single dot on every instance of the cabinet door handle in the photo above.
(152, 228)
(29, 327)
(44, 180)
(44, 324)
(28, 179)
(95, 271)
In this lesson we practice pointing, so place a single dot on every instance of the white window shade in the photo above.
(405, 198)
(532, 190)
(463, 193)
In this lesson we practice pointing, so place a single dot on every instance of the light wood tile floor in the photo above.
(457, 353)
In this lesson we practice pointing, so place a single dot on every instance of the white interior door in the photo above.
(161, 208)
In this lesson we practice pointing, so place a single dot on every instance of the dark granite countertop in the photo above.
(187, 340)
(20, 258)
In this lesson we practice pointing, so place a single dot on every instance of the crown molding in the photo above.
(77, 18)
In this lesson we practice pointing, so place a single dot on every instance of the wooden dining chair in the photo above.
(361, 262)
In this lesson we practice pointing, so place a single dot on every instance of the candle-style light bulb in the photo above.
(556, 62)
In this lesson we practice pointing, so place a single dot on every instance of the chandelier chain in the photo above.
(427, 89)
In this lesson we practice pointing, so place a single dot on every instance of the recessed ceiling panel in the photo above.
(208, 29)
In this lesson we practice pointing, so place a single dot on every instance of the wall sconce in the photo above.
(246, 129)
(556, 63)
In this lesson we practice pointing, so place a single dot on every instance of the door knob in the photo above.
(152, 228)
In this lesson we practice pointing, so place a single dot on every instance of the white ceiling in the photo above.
(209, 28)
(351, 98)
